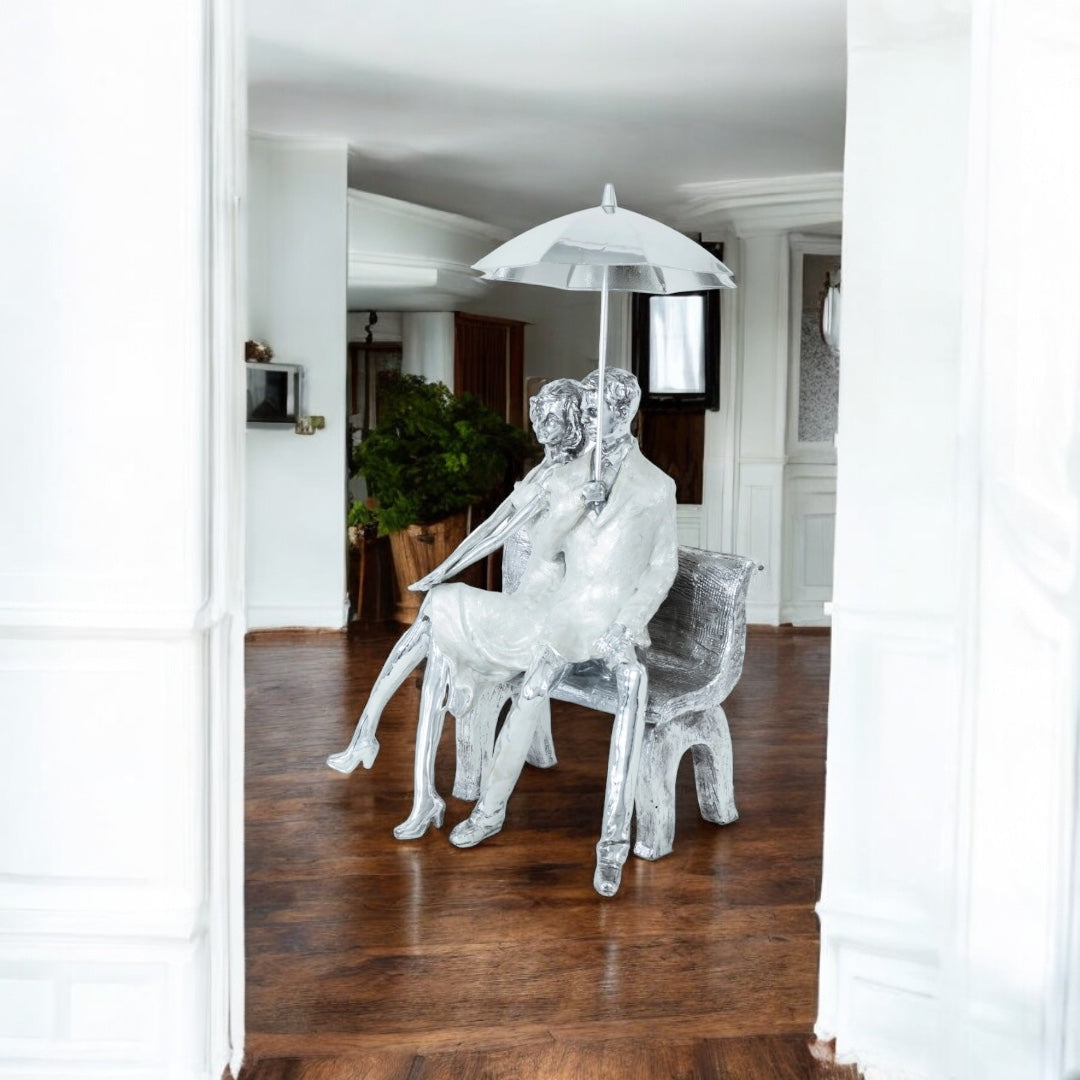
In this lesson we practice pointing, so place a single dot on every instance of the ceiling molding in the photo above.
(815, 243)
(401, 285)
(360, 262)
(773, 204)
(425, 215)
(308, 142)
(407, 257)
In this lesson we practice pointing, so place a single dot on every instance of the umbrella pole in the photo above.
(598, 451)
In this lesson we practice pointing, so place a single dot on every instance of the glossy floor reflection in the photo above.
(407, 958)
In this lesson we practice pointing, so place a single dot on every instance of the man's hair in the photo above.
(622, 392)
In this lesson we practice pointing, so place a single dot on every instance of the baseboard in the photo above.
(275, 617)
(762, 613)
(806, 614)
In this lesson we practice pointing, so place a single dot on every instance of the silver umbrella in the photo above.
(606, 249)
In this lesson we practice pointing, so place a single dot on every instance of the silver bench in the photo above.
(694, 661)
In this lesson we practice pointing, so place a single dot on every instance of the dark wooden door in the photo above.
(489, 363)
(675, 441)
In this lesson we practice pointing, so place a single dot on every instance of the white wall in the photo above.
(562, 332)
(297, 265)
(762, 496)
(427, 345)
(949, 897)
(120, 602)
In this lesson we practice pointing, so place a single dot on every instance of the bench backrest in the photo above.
(699, 632)
(700, 629)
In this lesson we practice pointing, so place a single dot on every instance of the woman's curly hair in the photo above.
(566, 394)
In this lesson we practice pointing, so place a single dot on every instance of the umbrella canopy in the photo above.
(606, 247)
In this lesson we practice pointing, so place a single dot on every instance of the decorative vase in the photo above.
(417, 551)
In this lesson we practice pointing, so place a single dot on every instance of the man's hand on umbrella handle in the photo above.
(595, 495)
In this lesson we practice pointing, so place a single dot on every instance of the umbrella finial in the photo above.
(608, 203)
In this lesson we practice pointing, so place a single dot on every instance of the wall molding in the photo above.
(766, 205)
(413, 258)
(88, 911)
(411, 283)
(157, 624)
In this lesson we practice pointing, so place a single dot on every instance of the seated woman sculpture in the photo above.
(466, 634)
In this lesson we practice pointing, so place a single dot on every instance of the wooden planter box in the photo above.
(417, 551)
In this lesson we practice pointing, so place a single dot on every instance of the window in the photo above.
(676, 349)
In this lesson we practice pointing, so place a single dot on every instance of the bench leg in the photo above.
(713, 769)
(707, 736)
(654, 802)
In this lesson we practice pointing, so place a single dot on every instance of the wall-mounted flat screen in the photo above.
(273, 393)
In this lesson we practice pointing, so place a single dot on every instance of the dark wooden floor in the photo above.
(370, 957)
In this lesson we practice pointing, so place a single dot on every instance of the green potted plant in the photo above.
(432, 456)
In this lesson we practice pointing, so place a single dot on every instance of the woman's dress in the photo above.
(496, 635)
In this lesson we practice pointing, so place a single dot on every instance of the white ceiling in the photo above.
(515, 111)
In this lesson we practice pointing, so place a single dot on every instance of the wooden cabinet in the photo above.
(489, 363)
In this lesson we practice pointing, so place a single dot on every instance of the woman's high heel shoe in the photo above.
(430, 809)
(366, 750)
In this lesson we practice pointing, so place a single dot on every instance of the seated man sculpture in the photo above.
(620, 560)
(597, 572)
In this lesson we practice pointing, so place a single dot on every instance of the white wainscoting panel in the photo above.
(758, 535)
(809, 532)
(691, 526)
(894, 769)
(103, 868)
(75, 702)
(894, 716)
(101, 1007)
(816, 563)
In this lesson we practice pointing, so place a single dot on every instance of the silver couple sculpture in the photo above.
(603, 555)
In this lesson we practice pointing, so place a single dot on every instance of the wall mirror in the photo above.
(815, 371)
